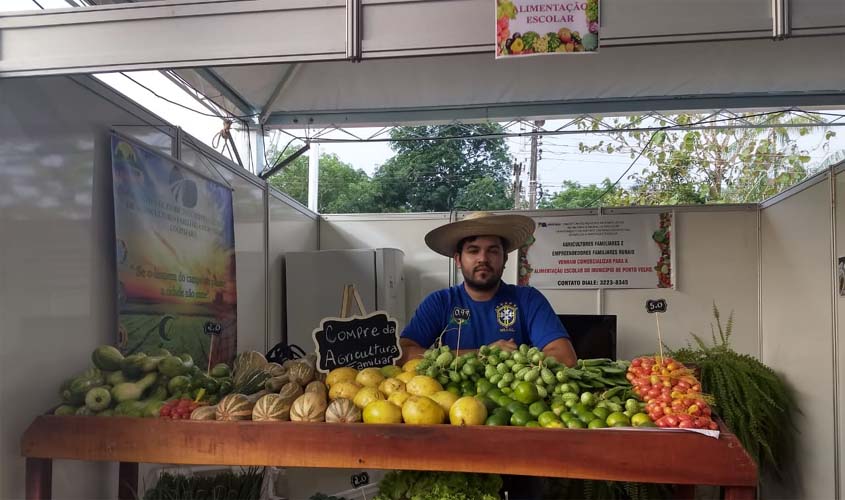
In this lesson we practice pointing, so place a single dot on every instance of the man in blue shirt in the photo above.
(484, 310)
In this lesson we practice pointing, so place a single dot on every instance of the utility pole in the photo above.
(314, 176)
(532, 173)
(517, 185)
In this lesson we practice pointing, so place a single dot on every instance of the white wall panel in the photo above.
(716, 260)
(425, 271)
(797, 326)
(839, 363)
(56, 259)
(811, 17)
(292, 229)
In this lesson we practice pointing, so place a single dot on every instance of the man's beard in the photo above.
(482, 284)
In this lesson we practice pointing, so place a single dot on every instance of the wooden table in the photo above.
(664, 456)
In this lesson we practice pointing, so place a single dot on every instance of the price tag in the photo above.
(361, 479)
(212, 328)
(655, 306)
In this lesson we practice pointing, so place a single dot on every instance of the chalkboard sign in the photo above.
(655, 306)
(357, 341)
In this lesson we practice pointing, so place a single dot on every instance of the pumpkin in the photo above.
(275, 384)
(290, 391)
(301, 373)
(249, 373)
(234, 407)
(318, 387)
(275, 369)
(271, 407)
(310, 407)
(204, 413)
(343, 411)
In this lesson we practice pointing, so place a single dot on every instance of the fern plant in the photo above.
(751, 398)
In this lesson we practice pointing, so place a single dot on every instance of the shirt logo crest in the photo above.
(506, 315)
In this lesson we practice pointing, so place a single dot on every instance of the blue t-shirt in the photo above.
(515, 312)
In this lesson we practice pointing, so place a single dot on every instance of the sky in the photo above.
(560, 160)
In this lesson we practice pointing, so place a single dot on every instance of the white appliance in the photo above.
(314, 284)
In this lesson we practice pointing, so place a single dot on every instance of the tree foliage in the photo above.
(577, 195)
(343, 189)
(736, 165)
(422, 176)
(426, 175)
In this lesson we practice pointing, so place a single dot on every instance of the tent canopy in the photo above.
(350, 63)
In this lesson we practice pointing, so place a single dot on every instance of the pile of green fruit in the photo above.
(526, 388)
(138, 385)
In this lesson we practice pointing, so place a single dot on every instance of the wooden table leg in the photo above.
(39, 478)
(127, 486)
(740, 493)
(684, 492)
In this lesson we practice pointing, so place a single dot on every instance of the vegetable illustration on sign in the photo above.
(533, 27)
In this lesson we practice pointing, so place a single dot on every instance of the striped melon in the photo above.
(271, 407)
(290, 391)
(318, 387)
(234, 407)
(310, 407)
(204, 413)
(343, 411)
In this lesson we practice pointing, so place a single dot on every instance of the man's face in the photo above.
(482, 262)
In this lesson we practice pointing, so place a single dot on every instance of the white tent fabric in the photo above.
(738, 74)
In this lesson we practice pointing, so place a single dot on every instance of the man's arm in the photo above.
(410, 350)
(561, 350)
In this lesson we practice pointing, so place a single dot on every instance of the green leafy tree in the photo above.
(736, 165)
(576, 195)
(342, 188)
(443, 175)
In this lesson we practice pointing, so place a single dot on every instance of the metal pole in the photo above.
(532, 175)
(517, 184)
(313, 176)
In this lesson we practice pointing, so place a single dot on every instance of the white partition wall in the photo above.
(425, 271)
(798, 326)
(292, 228)
(57, 299)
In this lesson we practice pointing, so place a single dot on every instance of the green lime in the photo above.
(520, 418)
(483, 386)
(497, 419)
(505, 401)
(516, 406)
(601, 413)
(585, 417)
(503, 411)
(596, 424)
(488, 403)
(526, 392)
(555, 424)
(533, 423)
(493, 393)
(547, 417)
(575, 424)
(507, 391)
(618, 419)
(588, 399)
(537, 408)
(567, 417)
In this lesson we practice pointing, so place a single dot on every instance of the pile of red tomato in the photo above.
(671, 393)
(178, 409)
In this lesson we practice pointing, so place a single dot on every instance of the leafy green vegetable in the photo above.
(753, 400)
(417, 485)
(245, 485)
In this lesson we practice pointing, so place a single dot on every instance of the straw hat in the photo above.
(515, 229)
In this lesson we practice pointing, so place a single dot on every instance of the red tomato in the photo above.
(637, 362)
(686, 424)
(672, 420)
(714, 426)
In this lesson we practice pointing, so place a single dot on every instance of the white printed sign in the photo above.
(606, 251)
